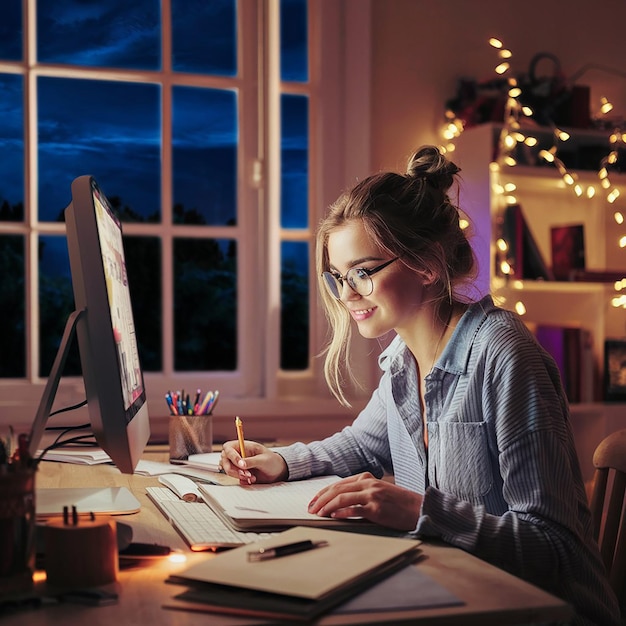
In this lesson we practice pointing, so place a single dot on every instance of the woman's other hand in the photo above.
(366, 496)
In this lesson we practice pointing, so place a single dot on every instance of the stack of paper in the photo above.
(299, 586)
(78, 456)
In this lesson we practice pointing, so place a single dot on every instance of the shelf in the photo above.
(546, 202)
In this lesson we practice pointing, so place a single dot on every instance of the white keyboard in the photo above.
(196, 522)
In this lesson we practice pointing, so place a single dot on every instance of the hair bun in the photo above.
(428, 163)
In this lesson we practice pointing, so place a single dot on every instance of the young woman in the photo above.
(469, 416)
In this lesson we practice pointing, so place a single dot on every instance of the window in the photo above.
(205, 124)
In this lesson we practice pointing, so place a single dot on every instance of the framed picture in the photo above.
(615, 370)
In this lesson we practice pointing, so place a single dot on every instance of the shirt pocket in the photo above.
(459, 459)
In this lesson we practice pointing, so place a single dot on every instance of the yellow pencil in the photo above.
(242, 447)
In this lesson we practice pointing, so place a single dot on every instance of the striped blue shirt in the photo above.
(500, 478)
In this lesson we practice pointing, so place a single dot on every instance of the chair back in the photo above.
(607, 507)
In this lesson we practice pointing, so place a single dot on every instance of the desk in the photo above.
(491, 596)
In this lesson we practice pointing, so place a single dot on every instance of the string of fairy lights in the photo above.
(517, 137)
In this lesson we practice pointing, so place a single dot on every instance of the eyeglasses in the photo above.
(358, 278)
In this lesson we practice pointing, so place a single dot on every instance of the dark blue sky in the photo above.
(112, 129)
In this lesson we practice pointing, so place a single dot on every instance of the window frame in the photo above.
(339, 143)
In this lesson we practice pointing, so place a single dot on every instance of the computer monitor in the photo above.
(103, 322)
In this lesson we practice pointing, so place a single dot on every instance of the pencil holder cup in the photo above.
(17, 531)
(190, 434)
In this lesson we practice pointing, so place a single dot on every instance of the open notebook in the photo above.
(275, 506)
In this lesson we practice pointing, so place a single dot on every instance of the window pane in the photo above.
(294, 309)
(294, 161)
(12, 311)
(205, 304)
(115, 33)
(12, 149)
(204, 138)
(11, 30)
(293, 40)
(143, 265)
(108, 129)
(204, 36)
(56, 302)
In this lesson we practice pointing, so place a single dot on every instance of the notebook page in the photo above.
(284, 500)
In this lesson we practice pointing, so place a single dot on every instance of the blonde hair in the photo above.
(409, 216)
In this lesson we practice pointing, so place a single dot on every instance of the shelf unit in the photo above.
(546, 201)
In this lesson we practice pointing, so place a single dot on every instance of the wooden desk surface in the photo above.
(491, 596)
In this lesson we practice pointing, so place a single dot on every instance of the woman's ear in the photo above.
(428, 277)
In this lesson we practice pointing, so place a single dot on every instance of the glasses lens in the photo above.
(360, 281)
(333, 284)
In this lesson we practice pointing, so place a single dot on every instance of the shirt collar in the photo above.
(455, 355)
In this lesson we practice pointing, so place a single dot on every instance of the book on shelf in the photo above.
(297, 587)
(568, 250)
(571, 347)
(614, 370)
(275, 506)
(523, 254)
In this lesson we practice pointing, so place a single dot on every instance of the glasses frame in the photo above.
(334, 282)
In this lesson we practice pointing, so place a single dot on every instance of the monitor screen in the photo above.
(103, 322)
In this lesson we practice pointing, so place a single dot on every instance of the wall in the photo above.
(420, 48)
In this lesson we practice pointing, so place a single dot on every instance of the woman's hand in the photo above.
(365, 496)
(261, 465)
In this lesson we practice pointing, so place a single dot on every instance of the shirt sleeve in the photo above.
(361, 447)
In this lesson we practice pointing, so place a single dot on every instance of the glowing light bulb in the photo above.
(578, 190)
(527, 111)
(622, 242)
(516, 92)
(520, 309)
(568, 178)
(531, 141)
(618, 217)
(562, 135)
(591, 191)
(510, 187)
(546, 155)
(613, 196)
(463, 223)
(502, 245)
(496, 43)
(605, 106)
(503, 67)
(510, 161)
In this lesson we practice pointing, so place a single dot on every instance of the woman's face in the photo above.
(397, 295)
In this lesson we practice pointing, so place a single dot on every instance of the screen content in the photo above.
(112, 250)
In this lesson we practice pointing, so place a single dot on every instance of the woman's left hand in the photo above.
(366, 496)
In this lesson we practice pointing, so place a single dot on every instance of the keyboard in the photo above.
(198, 525)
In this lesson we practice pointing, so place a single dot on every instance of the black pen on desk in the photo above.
(265, 554)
